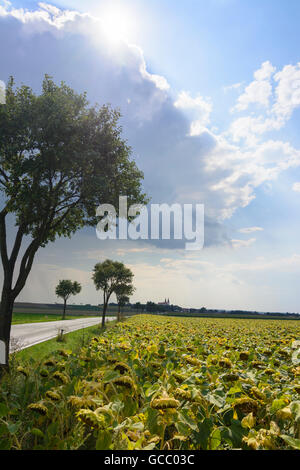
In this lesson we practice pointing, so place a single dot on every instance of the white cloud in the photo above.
(50, 8)
(258, 91)
(252, 128)
(243, 243)
(287, 91)
(207, 168)
(235, 86)
(200, 107)
(285, 94)
(251, 229)
(296, 187)
(265, 72)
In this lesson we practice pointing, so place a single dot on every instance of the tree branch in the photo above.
(3, 243)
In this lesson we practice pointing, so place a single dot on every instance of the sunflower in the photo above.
(39, 408)
(246, 405)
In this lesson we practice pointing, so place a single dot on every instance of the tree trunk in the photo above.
(119, 313)
(103, 315)
(6, 311)
(64, 312)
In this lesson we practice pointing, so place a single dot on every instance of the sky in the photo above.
(209, 93)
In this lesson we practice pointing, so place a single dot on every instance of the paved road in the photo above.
(27, 334)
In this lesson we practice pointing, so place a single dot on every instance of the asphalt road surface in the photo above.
(28, 334)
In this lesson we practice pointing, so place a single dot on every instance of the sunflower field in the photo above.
(154, 382)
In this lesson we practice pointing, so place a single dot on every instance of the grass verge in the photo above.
(71, 341)
(20, 318)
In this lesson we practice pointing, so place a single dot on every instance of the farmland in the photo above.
(33, 312)
(156, 382)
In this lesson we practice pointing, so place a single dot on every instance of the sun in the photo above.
(117, 23)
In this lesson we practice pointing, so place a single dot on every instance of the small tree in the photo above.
(65, 289)
(138, 306)
(108, 276)
(123, 292)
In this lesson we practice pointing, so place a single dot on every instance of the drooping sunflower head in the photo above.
(44, 373)
(124, 381)
(244, 355)
(122, 367)
(62, 378)
(53, 395)
(246, 405)
(183, 394)
(50, 362)
(164, 402)
(40, 408)
(23, 371)
(225, 362)
(82, 402)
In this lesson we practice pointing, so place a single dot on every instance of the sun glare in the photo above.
(117, 24)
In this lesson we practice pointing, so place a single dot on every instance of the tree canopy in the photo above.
(64, 289)
(59, 159)
(112, 277)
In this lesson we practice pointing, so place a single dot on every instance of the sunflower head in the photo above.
(53, 395)
(164, 402)
(225, 362)
(39, 408)
(124, 381)
(244, 355)
(81, 402)
(23, 371)
(246, 405)
(60, 377)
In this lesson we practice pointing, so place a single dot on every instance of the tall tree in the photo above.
(123, 293)
(64, 289)
(59, 160)
(108, 276)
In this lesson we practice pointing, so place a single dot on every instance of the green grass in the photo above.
(73, 341)
(20, 317)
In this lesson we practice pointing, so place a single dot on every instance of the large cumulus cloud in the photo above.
(182, 159)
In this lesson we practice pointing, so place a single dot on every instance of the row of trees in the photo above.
(59, 160)
(111, 277)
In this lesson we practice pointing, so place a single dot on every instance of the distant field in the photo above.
(42, 314)
(228, 315)
(24, 317)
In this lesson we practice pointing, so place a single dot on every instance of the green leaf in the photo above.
(5, 444)
(291, 441)
(185, 418)
(237, 388)
(296, 357)
(204, 429)
(104, 440)
(150, 446)
(234, 433)
(183, 428)
(152, 423)
(3, 429)
(110, 375)
(37, 432)
(295, 409)
(13, 427)
(215, 439)
(3, 410)
(278, 404)
(215, 400)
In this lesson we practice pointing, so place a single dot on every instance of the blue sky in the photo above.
(210, 96)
